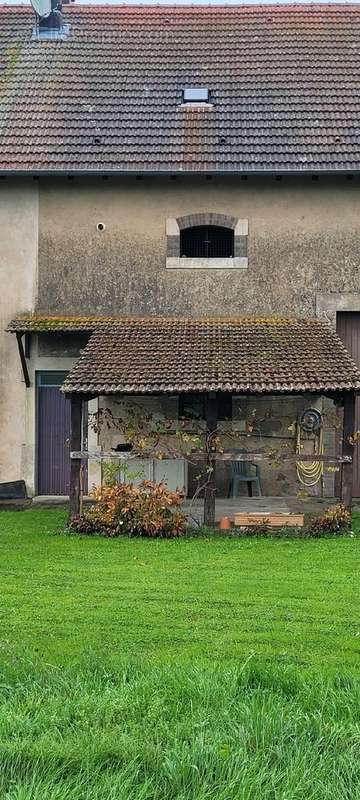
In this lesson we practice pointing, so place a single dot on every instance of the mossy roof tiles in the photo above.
(254, 355)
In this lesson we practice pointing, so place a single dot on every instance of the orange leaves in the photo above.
(149, 509)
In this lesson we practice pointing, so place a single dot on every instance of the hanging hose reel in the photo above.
(311, 420)
(310, 424)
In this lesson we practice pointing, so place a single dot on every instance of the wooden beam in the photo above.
(211, 417)
(23, 359)
(291, 458)
(346, 483)
(107, 456)
(76, 402)
(27, 346)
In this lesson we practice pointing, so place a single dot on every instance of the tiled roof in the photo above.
(147, 355)
(284, 80)
(44, 323)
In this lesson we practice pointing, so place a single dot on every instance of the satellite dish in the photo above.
(42, 8)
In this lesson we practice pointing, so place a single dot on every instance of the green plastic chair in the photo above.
(244, 471)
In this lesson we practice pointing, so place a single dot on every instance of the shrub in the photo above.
(335, 521)
(149, 509)
(81, 525)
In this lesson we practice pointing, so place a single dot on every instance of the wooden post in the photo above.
(75, 463)
(211, 418)
(347, 469)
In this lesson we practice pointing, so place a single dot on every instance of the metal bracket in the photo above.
(23, 359)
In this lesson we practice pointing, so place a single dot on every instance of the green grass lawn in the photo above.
(194, 669)
(64, 597)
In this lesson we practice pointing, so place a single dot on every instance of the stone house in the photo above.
(191, 162)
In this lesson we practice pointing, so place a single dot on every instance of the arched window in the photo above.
(207, 241)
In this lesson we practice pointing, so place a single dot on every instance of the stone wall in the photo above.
(260, 424)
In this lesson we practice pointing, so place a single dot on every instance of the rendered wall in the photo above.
(18, 281)
(304, 239)
(304, 258)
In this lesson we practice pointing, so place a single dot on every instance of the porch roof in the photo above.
(55, 323)
(245, 355)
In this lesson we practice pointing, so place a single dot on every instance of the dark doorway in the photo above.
(348, 328)
(53, 434)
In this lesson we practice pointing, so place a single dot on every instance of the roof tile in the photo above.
(285, 84)
(156, 355)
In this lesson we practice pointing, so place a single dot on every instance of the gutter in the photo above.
(4, 173)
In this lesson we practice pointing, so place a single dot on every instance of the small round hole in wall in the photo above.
(100, 227)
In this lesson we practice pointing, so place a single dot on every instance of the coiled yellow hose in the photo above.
(310, 473)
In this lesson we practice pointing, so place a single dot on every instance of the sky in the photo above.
(171, 2)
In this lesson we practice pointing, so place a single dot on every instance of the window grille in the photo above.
(207, 241)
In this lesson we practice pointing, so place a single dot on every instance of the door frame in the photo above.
(61, 373)
(341, 312)
(38, 375)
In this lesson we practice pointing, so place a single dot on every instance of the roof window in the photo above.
(49, 33)
(196, 94)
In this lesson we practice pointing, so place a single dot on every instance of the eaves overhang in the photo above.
(46, 173)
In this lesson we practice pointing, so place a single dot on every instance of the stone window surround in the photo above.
(175, 224)
(329, 303)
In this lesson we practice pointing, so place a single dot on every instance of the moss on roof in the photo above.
(246, 355)
(45, 323)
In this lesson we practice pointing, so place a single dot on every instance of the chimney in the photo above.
(54, 21)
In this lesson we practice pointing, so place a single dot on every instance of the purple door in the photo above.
(53, 425)
(348, 328)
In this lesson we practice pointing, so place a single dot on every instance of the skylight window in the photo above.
(196, 94)
(49, 33)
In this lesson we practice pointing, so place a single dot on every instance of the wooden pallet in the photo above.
(248, 519)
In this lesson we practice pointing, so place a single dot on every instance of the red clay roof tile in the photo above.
(285, 84)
